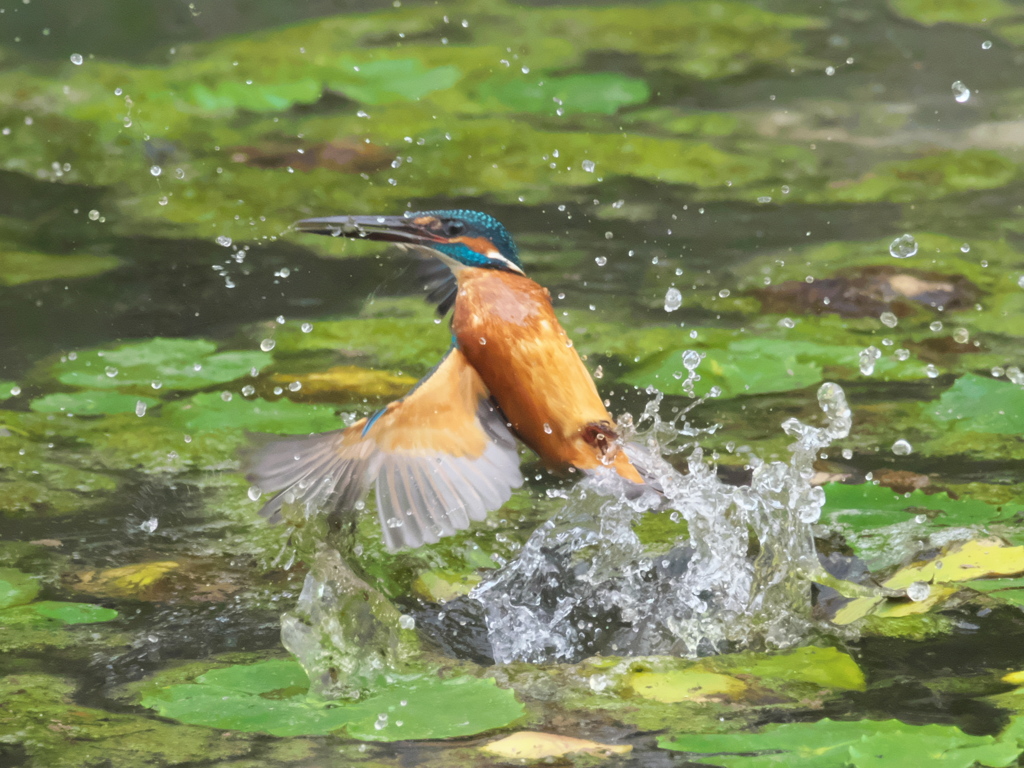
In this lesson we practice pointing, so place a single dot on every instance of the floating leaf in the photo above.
(685, 685)
(963, 562)
(974, 12)
(90, 403)
(173, 363)
(414, 707)
(860, 744)
(351, 381)
(17, 588)
(125, 581)
(531, 745)
(209, 412)
(981, 404)
(827, 667)
(17, 267)
(74, 613)
(1010, 590)
(866, 507)
(603, 92)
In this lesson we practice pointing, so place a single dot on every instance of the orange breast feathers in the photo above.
(507, 330)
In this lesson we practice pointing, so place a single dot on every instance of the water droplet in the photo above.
(764, 199)
(306, 327)
(691, 359)
(254, 493)
(94, 215)
(965, 248)
(961, 336)
(295, 386)
(724, 293)
(673, 299)
(588, 166)
(786, 322)
(888, 319)
(224, 240)
(868, 358)
(406, 622)
(547, 428)
(382, 721)
(483, 341)
(1020, 281)
(902, 448)
(903, 247)
(919, 590)
(140, 408)
(935, 326)
(847, 453)
(600, 261)
(15, 390)
(155, 170)
(902, 355)
(149, 526)
(961, 92)
(248, 390)
(267, 344)
(225, 396)
(986, 45)
(931, 371)
(111, 371)
(76, 59)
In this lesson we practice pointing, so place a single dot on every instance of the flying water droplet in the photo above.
(254, 493)
(406, 622)
(547, 428)
(224, 240)
(588, 166)
(306, 327)
(149, 526)
(267, 344)
(600, 261)
(903, 247)
(889, 320)
(691, 359)
(155, 170)
(140, 408)
(673, 299)
(76, 59)
(986, 45)
(931, 371)
(868, 358)
(94, 215)
(1020, 281)
(902, 448)
(248, 390)
(961, 336)
(961, 92)
(110, 371)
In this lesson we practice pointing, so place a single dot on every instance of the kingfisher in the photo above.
(445, 454)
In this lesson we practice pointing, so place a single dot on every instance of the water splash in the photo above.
(740, 578)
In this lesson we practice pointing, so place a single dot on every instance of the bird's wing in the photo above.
(438, 279)
(439, 458)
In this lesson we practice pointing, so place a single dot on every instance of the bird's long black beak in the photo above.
(390, 229)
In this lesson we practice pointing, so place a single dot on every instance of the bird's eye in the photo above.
(453, 228)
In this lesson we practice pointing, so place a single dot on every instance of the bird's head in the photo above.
(459, 238)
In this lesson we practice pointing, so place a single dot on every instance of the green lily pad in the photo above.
(603, 93)
(974, 12)
(209, 412)
(410, 707)
(180, 364)
(17, 267)
(1009, 590)
(867, 507)
(90, 403)
(50, 612)
(860, 744)
(17, 588)
(981, 404)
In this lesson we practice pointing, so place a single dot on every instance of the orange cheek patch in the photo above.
(424, 221)
(478, 244)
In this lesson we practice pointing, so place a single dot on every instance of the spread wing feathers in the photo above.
(440, 282)
(438, 459)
